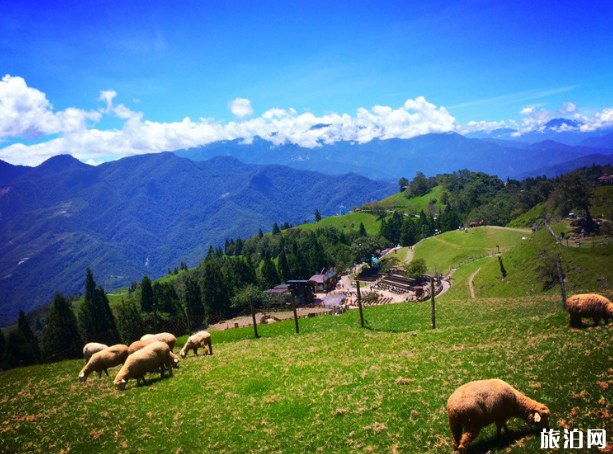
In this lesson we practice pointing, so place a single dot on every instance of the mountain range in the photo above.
(143, 214)
(390, 159)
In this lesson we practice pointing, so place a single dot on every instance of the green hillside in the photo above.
(347, 222)
(400, 202)
(454, 248)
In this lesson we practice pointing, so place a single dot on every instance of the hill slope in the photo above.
(144, 214)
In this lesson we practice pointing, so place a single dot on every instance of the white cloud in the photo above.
(241, 108)
(26, 113)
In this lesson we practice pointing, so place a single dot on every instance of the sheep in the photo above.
(91, 348)
(477, 404)
(164, 337)
(137, 345)
(153, 356)
(101, 361)
(201, 339)
(588, 305)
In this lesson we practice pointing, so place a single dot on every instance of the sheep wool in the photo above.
(91, 348)
(153, 356)
(588, 305)
(170, 339)
(201, 339)
(103, 360)
(477, 404)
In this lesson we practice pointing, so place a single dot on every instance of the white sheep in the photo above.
(201, 339)
(479, 403)
(153, 356)
(91, 348)
(137, 345)
(164, 337)
(588, 305)
(101, 361)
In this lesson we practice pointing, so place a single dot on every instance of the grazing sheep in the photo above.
(201, 339)
(91, 348)
(137, 345)
(588, 305)
(101, 361)
(479, 403)
(164, 337)
(153, 356)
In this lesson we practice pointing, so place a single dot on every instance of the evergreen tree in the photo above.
(166, 299)
(129, 322)
(238, 250)
(2, 349)
(193, 302)
(362, 231)
(215, 294)
(260, 233)
(19, 351)
(146, 296)
(275, 229)
(269, 275)
(96, 319)
(284, 271)
(24, 328)
(61, 338)
(317, 216)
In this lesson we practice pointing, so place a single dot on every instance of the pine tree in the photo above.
(129, 322)
(146, 295)
(284, 271)
(193, 302)
(269, 274)
(275, 229)
(317, 216)
(24, 328)
(362, 231)
(96, 319)
(238, 250)
(61, 338)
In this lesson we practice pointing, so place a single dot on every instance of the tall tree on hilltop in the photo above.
(24, 328)
(96, 319)
(146, 295)
(61, 338)
(284, 271)
(215, 294)
(193, 302)
(579, 191)
(317, 216)
(402, 183)
(275, 229)
(362, 230)
(129, 322)
(269, 276)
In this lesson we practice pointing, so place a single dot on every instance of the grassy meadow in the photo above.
(333, 388)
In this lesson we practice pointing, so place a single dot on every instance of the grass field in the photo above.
(347, 222)
(454, 248)
(333, 388)
(414, 205)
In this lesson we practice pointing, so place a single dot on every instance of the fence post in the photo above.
(432, 304)
(295, 313)
(561, 278)
(360, 302)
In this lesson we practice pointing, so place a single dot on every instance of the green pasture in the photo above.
(455, 248)
(334, 388)
(348, 222)
(400, 202)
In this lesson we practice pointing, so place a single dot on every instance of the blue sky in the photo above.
(107, 79)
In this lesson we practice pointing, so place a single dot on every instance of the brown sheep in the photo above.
(164, 337)
(91, 348)
(479, 403)
(588, 305)
(201, 339)
(137, 345)
(101, 361)
(153, 356)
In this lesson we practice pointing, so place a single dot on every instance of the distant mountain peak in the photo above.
(60, 163)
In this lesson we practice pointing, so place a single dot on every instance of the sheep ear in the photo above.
(537, 417)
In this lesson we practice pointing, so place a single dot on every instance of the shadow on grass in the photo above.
(495, 443)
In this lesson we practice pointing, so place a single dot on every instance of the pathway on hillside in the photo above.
(470, 283)
(516, 229)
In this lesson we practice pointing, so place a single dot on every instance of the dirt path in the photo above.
(470, 283)
(516, 229)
